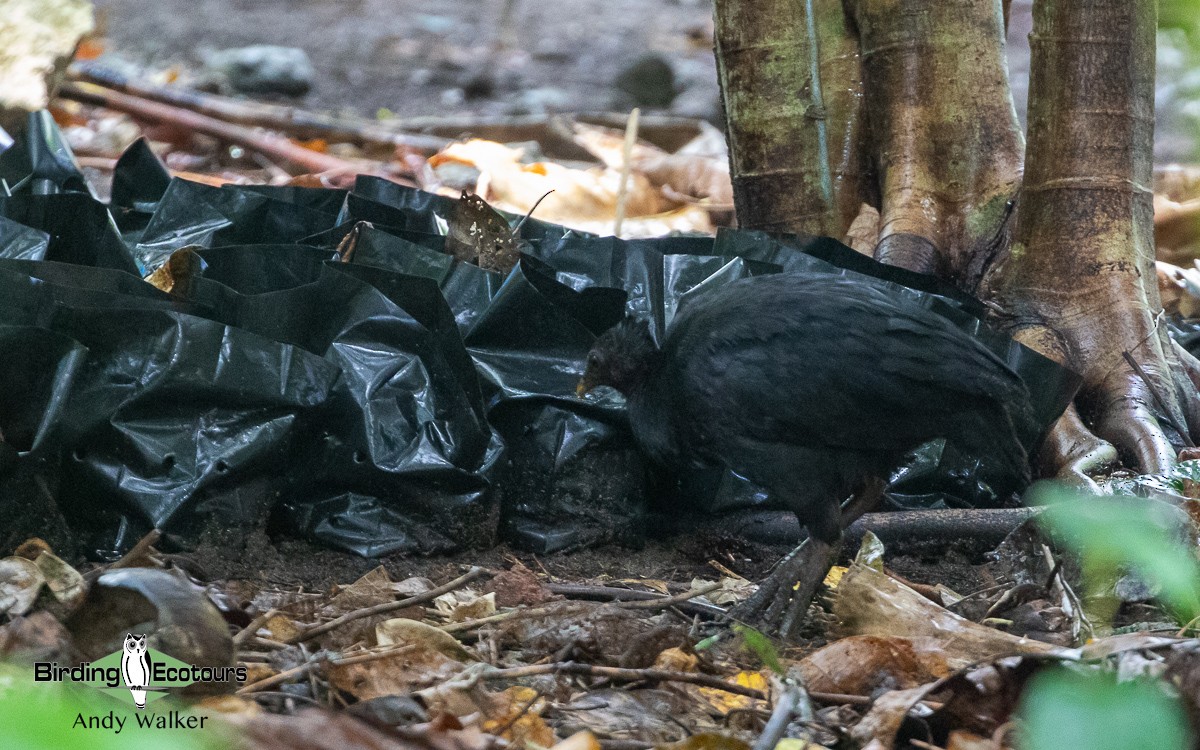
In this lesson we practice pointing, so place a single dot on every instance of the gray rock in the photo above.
(263, 69)
(541, 101)
(649, 81)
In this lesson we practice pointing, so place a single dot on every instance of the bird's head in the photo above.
(620, 358)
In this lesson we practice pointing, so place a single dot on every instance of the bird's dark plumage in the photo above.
(812, 386)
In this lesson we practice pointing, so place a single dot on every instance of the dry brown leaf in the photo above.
(584, 740)
(402, 630)
(20, 583)
(869, 602)
(478, 234)
(393, 675)
(859, 665)
(282, 628)
(684, 176)
(516, 716)
(581, 199)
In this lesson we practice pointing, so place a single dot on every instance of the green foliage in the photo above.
(1062, 708)
(42, 716)
(1111, 535)
(762, 648)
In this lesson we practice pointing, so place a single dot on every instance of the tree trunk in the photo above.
(789, 70)
(1064, 259)
(1080, 283)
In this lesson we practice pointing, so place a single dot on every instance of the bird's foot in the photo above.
(781, 602)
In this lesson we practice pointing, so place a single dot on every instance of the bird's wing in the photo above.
(831, 365)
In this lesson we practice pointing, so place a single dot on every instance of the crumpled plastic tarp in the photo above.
(392, 400)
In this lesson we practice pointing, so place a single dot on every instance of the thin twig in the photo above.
(313, 662)
(1158, 399)
(379, 609)
(274, 146)
(372, 655)
(631, 129)
(253, 627)
(668, 601)
(613, 594)
(278, 679)
(138, 550)
(628, 675)
(298, 122)
(785, 709)
(517, 229)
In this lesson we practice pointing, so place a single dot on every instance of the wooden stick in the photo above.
(141, 548)
(629, 675)
(253, 627)
(379, 609)
(299, 122)
(273, 146)
(631, 129)
(613, 594)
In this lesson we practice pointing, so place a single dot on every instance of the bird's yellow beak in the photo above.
(582, 388)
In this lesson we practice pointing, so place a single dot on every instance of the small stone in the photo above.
(649, 81)
(264, 69)
(541, 101)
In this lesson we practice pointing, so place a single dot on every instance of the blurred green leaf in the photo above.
(43, 716)
(762, 647)
(1064, 709)
(1109, 535)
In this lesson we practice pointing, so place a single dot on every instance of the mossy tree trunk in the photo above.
(1056, 235)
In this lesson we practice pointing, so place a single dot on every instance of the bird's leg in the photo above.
(859, 503)
(783, 597)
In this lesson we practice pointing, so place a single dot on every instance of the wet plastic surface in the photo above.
(390, 399)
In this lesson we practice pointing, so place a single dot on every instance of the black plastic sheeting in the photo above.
(396, 400)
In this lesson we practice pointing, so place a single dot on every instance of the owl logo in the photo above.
(135, 667)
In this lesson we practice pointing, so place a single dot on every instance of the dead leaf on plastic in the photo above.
(479, 234)
(175, 276)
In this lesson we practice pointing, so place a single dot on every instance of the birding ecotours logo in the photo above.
(136, 673)
(135, 667)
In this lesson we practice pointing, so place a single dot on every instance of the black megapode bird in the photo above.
(813, 387)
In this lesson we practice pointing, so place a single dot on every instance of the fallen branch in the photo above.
(379, 609)
(299, 122)
(612, 594)
(315, 661)
(248, 631)
(276, 147)
(668, 601)
(786, 707)
(627, 675)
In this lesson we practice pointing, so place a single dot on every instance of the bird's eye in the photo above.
(593, 359)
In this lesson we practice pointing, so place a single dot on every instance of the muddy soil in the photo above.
(424, 57)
